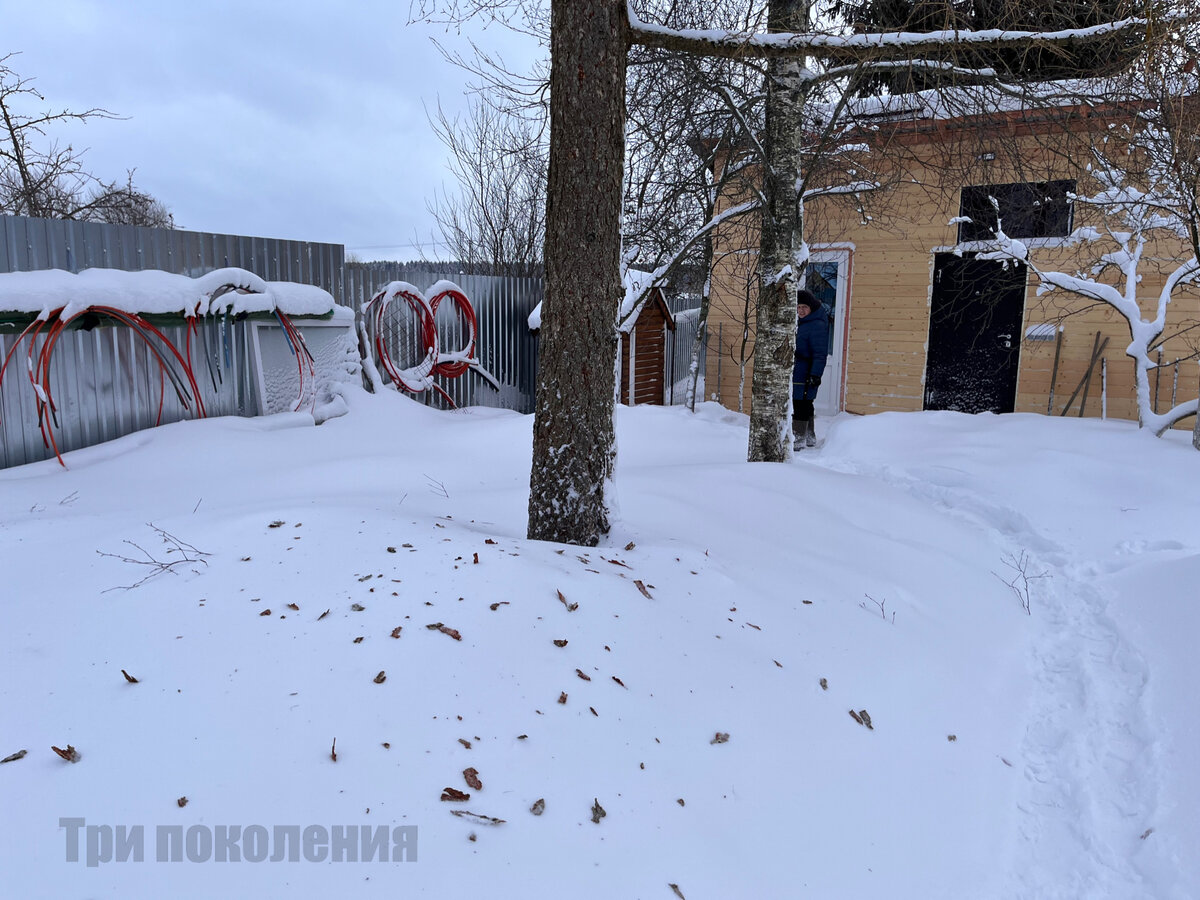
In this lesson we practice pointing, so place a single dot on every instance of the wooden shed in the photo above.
(643, 334)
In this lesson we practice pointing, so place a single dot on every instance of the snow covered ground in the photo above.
(1048, 754)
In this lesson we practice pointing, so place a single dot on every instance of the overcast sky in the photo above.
(297, 119)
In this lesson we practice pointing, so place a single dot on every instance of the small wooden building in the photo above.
(644, 322)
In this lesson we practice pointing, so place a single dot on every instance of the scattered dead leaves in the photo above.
(454, 795)
(13, 757)
(824, 684)
(720, 737)
(539, 806)
(642, 587)
(562, 697)
(598, 812)
(445, 629)
(265, 612)
(471, 777)
(381, 677)
(560, 642)
(357, 607)
(278, 523)
(294, 606)
(396, 631)
(630, 546)
(181, 802)
(129, 677)
(952, 737)
(495, 606)
(678, 893)
(70, 754)
(322, 615)
(465, 743)
(862, 717)
(582, 674)
(619, 681)
(571, 607)
(333, 749)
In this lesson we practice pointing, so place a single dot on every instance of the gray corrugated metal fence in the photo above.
(503, 342)
(106, 384)
(28, 245)
(685, 308)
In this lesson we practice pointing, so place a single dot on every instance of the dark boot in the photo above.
(810, 433)
(800, 428)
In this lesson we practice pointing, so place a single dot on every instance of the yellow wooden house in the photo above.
(919, 323)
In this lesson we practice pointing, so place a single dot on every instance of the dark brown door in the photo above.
(974, 334)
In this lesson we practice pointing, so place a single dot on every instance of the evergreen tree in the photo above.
(1090, 59)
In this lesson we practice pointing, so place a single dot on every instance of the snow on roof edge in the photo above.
(155, 292)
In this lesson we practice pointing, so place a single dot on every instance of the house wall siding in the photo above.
(892, 269)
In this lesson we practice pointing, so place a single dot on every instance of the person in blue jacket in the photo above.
(812, 350)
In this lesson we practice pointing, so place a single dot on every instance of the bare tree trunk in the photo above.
(698, 343)
(574, 447)
(780, 250)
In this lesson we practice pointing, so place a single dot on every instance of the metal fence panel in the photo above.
(28, 244)
(106, 381)
(503, 343)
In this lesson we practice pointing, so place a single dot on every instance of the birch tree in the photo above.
(782, 251)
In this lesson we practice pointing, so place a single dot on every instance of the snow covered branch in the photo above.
(883, 46)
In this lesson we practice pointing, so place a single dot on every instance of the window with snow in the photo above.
(1026, 210)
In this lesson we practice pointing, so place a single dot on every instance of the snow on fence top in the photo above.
(154, 292)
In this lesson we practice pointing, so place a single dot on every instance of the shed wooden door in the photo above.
(974, 334)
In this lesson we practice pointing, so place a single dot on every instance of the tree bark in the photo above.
(574, 447)
(781, 249)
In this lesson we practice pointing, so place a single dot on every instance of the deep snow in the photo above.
(1052, 754)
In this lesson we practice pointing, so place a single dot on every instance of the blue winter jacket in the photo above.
(812, 351)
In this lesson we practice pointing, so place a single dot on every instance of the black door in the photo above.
(974, 334)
